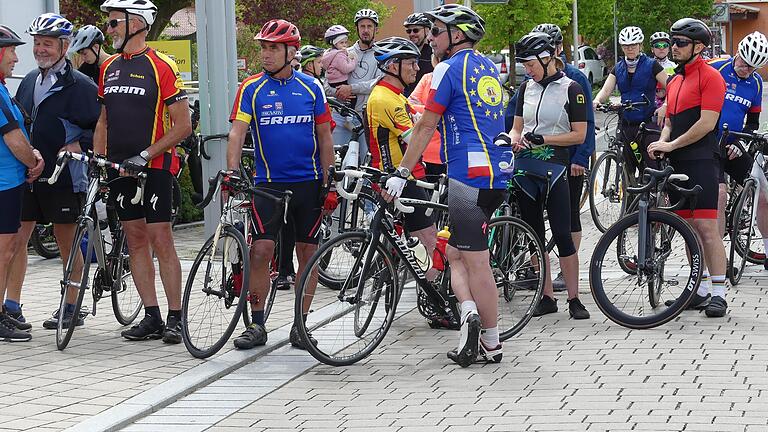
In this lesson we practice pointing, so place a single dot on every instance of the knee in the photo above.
(261, 253)
(305, 250)
(564, 243)
(707, 230)
(452, 254)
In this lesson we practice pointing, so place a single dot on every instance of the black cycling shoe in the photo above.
(52, 322)
(253, 336)
(490, 355)
(284, 283)
(172, 332)
(20, 324)
(547, 305)
(148, 328)
(469, 341)
(558, 283)
(577, 310)
(296, 341)
(698, 302)
(716, 308)
(9, 332)
(527, 279)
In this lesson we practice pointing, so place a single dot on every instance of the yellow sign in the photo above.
(180, 51)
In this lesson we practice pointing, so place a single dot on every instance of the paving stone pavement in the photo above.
(692, 374)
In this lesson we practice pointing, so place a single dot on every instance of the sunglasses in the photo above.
(113, 23)
(412, 30)
(661, 45)
(436, 31)
(681, 43)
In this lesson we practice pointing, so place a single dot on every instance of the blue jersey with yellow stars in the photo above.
(466, 92)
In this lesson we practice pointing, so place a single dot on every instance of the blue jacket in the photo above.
(581, 153)
(67, 113)
(643, 84)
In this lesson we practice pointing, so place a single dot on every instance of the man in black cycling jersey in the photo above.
(140, 90)
(695, 98)
(417, 27)
(65, 112)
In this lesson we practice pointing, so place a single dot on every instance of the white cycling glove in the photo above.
(395, 186)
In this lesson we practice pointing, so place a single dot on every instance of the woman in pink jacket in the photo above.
(337, 61)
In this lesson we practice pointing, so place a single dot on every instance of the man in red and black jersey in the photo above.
(695, 98)
(144, 115)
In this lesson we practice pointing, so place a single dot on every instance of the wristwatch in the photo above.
(144, 154)
(403, 172)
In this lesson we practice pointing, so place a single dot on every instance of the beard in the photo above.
(117, 42)
(46, 63)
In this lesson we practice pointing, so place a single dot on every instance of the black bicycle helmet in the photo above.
(461, 17)
(9, 37)
(533, 45)
(418, 19)
(552, 30)
(692, 28)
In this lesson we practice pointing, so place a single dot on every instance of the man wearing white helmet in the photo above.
(87, 43)
(141, 90)
(65, 113)
(741, 112)
(636, 76)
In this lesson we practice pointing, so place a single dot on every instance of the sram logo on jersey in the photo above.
(289, 119)
(125, 90)
(738, 99)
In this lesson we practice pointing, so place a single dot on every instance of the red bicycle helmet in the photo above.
(280, 31)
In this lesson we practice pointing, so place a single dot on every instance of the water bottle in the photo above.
(438, 256)
(351, 158)
(421, 255)
(636, 150)
(84, 248)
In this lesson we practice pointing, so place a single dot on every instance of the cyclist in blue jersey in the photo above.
(741, 112)
(465, 103)
(289, 119)
(19, 162)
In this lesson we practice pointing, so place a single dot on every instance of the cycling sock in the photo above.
(12, 306)
(490, 337)
(174, 314)
(154, 312)
(704, 285)
(69, 309)
(257, 317)
(718, 286)
(467, 306)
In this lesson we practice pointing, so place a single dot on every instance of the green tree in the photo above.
(507, 23)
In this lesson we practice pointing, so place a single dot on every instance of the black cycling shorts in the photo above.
(157, 206)
(304, 211)
(470, 209)
(10, 209)
(418, 220)
(576, 187)
(43, 203)
(700, 172)
(738, 169)
(558, 201)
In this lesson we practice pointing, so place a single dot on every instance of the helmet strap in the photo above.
(450, 40)
(286, 63)
(545, 65)
(128, 36)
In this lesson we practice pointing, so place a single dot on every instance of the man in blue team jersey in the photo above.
(289, 119)
(465, 103)
(741, 112)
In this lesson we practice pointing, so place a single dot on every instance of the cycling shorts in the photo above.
(10, 209)
(304, 211)
(576, 187)
(470, 209)
(45, 204)
(157, 205)
(738, 169)
(558, 200)
(700, 172)
(418, 220)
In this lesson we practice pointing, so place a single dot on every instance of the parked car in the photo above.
(501, 60)
(591, 64)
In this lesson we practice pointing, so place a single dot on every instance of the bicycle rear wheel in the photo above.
(672, 274)
(64, 329)
(516, 255)
(215, 293)
(126, 302)
(742, 231)
(606, 191)
(348, 325)
(44, 242)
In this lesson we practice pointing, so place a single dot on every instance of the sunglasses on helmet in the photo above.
(661, 45)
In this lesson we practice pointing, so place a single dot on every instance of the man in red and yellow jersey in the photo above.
(144, 115)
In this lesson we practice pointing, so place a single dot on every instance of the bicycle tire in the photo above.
(227, 294)
(64, 334)
(336, 315)
(44, 242)
(741, 224)
(126, 301)
(585, 190)
(680, 302)
(512, 246)
(598, 177)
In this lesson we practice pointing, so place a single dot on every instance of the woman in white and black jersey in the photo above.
(551, 114)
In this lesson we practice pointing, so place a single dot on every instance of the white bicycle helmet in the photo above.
(50, 24)
(144, 8)
(86, 37)
(660, 36)
(631, 35)
(753, 49)
(335, 31)
(367, 13)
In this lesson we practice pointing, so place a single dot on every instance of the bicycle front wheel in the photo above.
(349, 324)
(126, 302)
(215, 293)
(74, 279)
(670, 273)
(516, 255)
(606, 191)
(742, 231)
